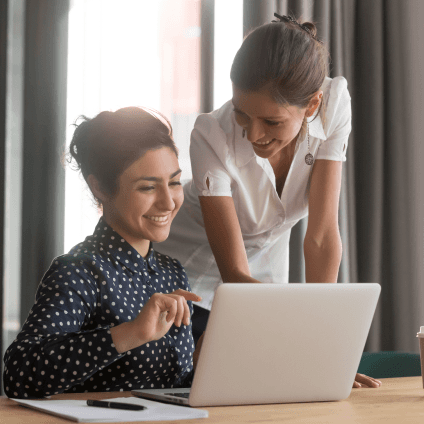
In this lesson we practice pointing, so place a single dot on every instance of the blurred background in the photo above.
(65, 58)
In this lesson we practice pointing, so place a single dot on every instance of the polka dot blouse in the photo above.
(65, 344)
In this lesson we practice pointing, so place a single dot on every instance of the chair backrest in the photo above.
(388, 364)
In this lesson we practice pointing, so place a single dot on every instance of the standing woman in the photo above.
(112, 314)
(264, 160)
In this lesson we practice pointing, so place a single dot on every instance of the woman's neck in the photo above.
(284, 157)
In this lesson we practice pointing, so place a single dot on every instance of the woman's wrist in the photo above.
(239, 277)
(125, 337)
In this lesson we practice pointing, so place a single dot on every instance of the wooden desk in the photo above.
(399, 400)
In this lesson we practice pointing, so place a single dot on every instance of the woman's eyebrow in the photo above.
(281, 118)
(145, 178)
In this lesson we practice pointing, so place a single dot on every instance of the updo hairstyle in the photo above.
(109, 143)
(284, 59)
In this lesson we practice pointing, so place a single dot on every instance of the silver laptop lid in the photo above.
(272, 343)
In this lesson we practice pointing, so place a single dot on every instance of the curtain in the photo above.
(388, 180)
(3, 67)
(46, 42)
(380, 219)
(207, 18)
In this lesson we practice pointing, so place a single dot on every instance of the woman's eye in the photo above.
(272, 123)
(176, 183)
(239, 113)
(149, 188)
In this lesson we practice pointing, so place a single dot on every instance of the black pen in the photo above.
(115, 405)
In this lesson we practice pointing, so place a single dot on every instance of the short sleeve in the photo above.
(338, 122)
(208, 150)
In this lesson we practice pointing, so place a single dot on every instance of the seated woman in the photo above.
(113, 314)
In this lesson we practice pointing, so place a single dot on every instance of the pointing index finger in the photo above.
(188, 295)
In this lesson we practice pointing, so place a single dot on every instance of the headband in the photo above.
(289, 19)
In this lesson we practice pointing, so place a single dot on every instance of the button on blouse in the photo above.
(65, 344)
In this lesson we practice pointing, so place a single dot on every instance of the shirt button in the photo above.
(205, 192)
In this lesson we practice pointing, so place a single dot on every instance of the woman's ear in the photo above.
(313, 104)
(94, 185)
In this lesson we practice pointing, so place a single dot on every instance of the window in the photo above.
(141, 53)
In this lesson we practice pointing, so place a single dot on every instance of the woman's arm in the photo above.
(322, 244)
(225, 238)
(52, 353)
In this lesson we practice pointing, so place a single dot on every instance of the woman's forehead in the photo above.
(260, 104)
(158, 163)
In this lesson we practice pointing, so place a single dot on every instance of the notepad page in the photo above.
(79, 411)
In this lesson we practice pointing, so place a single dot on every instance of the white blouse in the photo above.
(219, 152)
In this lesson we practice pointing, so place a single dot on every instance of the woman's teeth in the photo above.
(263, 143)
(158, 218)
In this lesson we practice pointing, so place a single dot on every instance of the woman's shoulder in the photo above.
(76, 264)
(82, 257)
(335, 89)
(212, 134)
(218, 122)
(337, 103)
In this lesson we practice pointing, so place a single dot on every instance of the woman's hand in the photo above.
(154, 320)
(197, 351)
(362, 380)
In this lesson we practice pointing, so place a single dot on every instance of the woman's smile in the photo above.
(159, 220)
(150, 195)
(263, 144)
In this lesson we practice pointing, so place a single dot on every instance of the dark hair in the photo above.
(283, 58)
(109, 143)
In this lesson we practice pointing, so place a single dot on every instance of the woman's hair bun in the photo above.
(311, 28)
(106, 145)
(79, 140)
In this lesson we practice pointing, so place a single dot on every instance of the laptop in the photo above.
(279, 343)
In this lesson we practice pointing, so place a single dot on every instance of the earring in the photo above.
(309, 159)
(243, 133)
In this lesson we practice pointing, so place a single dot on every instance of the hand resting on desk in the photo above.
(362, 380)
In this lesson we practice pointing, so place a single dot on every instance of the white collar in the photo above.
(316, 128)
(243, 148)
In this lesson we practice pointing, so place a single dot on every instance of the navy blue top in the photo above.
(65, 344)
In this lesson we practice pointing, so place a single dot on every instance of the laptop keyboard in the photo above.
(183, 395)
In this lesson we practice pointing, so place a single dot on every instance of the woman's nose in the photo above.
(255, 131)
(166, 200)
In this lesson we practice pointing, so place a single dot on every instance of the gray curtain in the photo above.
(207, 48)
(3, 67)
(388, 182)
(374, 45)
(46, 42)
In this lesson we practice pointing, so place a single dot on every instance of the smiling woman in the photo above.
(149, 196)
(98, 320)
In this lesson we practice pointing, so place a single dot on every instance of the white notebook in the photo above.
(79, 411)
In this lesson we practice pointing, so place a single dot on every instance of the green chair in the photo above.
(390, 364)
